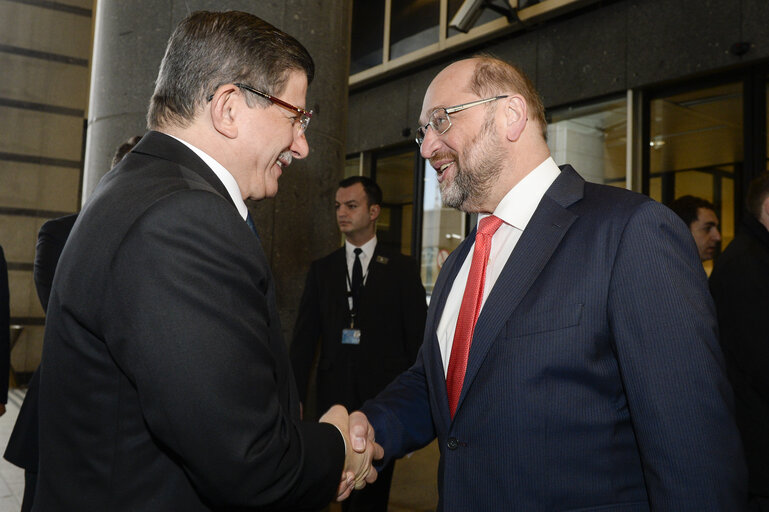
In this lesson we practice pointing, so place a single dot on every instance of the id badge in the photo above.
(350, 336)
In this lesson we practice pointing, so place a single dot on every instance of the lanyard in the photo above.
(352, 301)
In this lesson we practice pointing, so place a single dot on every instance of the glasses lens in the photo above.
(420, 135)
(304, 120)
(440, 122)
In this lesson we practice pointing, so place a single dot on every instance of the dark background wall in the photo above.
(607, 48)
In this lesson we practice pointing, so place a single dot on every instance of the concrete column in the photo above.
(298, 225)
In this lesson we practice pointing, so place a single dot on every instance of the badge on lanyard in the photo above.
(350, 336)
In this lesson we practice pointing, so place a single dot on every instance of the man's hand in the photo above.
(359, 451)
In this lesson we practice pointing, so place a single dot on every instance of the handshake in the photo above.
(360, 449)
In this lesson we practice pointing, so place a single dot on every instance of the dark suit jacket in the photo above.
(50, 242)
(22, 449)
(740, 287)
(594, 380)
(5, 329)
(391, 319)
(165, 383)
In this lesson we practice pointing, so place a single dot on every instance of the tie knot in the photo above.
(489, 225)
(357, 251)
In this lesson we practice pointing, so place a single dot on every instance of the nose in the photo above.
(716, 235)
(429, 144)
(300, 148)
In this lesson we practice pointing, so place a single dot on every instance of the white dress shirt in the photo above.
(515, 210)
(224, 176)
(367, 251)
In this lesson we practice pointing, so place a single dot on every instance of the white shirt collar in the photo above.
(367, 248)
(519, 204)
(223, 174)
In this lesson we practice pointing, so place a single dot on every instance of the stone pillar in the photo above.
(298, 225)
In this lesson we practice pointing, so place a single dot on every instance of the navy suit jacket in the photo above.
(165, 382)
(594, 380)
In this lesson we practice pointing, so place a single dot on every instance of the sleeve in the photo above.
(306, 333)
(401, 415)
(414, 308)
(662, 320)
(193, 330)
(47, 253)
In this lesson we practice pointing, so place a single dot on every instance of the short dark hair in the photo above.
(758, 191)
(209, 49)
(373, 192)
(686, 207)
(123, 149)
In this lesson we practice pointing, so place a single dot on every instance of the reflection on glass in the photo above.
(593, 139)
(367, 34)
(442, 230)
(414, 25)
(395, 176)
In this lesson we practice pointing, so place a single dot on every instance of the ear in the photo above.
(224, 108)
(516, 117)
(373, 211)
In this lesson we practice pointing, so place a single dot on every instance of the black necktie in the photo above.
(357, 274)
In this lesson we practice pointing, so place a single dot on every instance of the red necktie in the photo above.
(471, 307)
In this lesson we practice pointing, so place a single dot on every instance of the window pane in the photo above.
(414, 25)
(395, 176)
(696, 130)
(593, 139)
(695, 148)
(352, 166)
(486, 16)
(367, 34)
(442, 230)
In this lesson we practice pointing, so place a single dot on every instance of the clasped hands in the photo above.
(361, 449)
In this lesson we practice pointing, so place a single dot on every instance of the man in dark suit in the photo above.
(22, 449)
(165, 383)
(740, 287)
(570, 359)
(365, 304)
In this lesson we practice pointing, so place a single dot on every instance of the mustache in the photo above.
(286, 157)
(446, 155)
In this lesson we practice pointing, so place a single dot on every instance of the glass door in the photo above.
(696, 147)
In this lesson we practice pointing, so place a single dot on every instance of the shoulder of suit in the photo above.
(330, 258)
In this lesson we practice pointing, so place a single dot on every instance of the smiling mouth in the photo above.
(441, 169)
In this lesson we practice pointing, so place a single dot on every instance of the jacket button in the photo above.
(452, 443)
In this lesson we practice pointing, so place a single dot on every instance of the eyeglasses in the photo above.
(304, 115)
(440, 120)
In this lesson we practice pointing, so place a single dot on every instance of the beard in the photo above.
(476, 173)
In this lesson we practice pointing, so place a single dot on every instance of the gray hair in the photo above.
(209, 49)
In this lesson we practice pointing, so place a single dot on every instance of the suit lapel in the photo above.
(542, 235)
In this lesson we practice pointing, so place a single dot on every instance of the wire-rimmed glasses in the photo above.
(440, 120)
